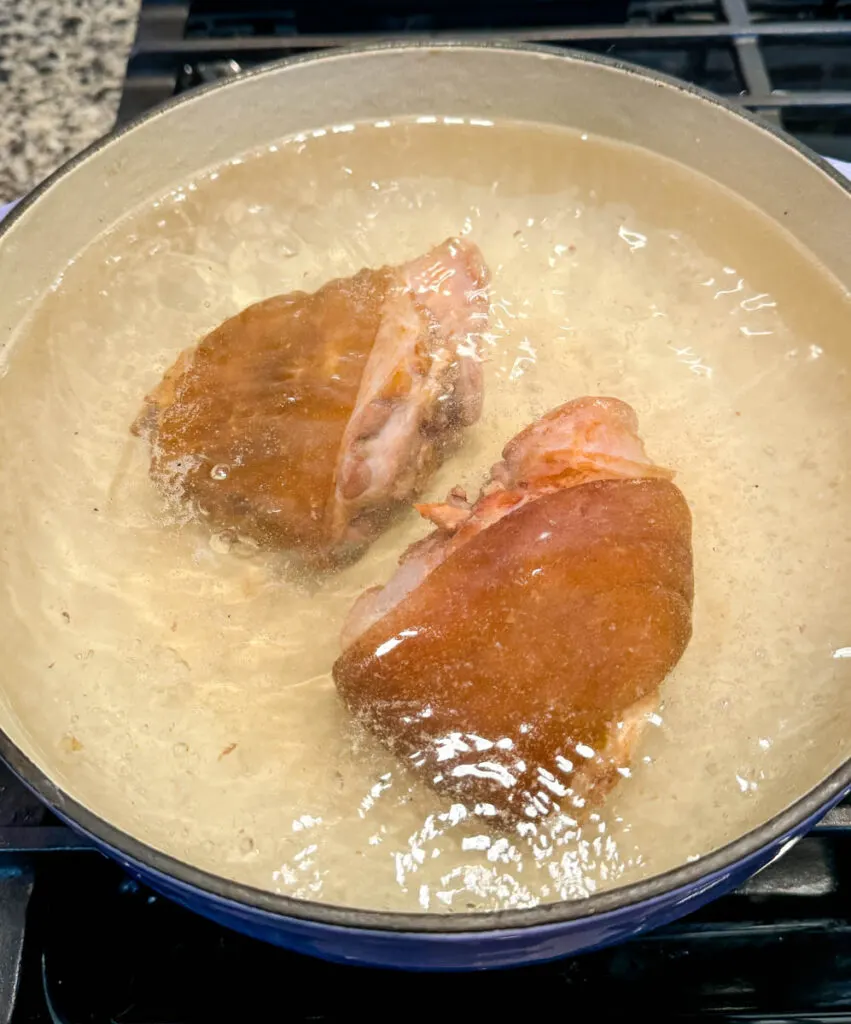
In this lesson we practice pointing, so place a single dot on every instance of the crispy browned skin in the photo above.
(304, 420)
(535, 637)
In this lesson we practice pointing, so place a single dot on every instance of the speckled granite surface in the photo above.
(61, 67)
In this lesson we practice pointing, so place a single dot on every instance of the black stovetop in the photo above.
(81, 943)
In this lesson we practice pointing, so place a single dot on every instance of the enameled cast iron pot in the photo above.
(208, 126)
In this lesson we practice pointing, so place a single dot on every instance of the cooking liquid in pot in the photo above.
(181, 686)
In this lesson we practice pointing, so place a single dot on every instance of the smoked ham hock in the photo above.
(303, 421)
(516, 653)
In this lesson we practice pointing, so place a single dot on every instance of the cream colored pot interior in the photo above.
(177, 734)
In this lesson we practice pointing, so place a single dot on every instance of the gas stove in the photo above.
(82, 943)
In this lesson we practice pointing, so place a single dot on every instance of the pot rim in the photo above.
(666, 884)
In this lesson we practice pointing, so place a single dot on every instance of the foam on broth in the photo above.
(182, 688)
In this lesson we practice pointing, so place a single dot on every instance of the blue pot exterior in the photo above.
(460, 951)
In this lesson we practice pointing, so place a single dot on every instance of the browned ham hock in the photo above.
(516, 653)
(305, 420)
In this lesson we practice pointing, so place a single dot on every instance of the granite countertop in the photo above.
(62, 65)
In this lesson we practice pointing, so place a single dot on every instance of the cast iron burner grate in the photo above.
(788, 59)
(94, 947)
